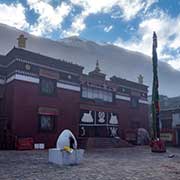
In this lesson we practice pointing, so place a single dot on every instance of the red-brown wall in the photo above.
(24, 98)
(23, 111)
(128, 114)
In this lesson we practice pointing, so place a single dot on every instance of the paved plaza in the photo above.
(136, 163)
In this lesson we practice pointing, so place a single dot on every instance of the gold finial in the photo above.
(140, 79)
(21, 41)
(97, 66)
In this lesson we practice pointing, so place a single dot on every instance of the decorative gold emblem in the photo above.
(69, 76)
(28, 67)
(21, 41)
(140, 79)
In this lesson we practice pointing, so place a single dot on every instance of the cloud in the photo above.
(94, 6)
(88, 7)
(107, 29)
(128, 9)
(13, 15)
(50, 18)
(175, 63)
(77, 26)
(168, 37)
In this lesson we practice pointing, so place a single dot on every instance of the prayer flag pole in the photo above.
(157, 144)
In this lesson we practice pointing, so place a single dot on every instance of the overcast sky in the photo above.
(126, 23)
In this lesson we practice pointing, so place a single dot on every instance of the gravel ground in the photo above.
(136, 163)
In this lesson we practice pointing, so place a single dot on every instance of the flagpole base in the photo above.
(158, 146)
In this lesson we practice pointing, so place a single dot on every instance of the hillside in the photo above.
(113, 60)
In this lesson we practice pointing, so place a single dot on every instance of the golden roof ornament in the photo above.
(97, 66)
(21, 41)
(96, 73)
(140, 79)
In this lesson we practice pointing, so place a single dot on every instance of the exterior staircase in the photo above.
(95, 142)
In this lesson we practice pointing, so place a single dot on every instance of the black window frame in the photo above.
(54, 93)
(97, 99)
(54, 117)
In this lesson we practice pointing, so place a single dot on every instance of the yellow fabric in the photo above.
(68, 149)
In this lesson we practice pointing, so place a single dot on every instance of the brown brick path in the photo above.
(136, 163)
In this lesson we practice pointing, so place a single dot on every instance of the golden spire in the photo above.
(97, 66)
(140, 79)
(21, 41)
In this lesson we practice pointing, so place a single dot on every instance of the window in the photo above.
(47, 122)
(84, 92)
(134, 102)
(109, 97)
(47, 86)
(95, 93)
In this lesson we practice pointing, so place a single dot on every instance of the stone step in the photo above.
(94, 142)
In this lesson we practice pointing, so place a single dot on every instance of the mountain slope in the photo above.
(113, 60)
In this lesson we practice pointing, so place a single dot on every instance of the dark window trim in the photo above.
(97, 99)
(55, 87)
(47, 130)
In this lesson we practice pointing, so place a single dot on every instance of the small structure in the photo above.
(66, 152)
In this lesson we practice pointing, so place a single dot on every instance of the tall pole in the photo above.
(155, 93)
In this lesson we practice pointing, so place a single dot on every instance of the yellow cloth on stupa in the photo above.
(68, 149)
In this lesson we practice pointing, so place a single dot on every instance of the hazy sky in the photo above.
(126, 23)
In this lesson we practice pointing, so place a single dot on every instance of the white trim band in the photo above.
(68, 86)
(36, 81)
(123, 97)
(143, 101)
(23, 78)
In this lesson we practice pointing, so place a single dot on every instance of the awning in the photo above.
(49, 74)
(48, 111)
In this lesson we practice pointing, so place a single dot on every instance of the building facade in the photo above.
(41, 96)
(170, 120)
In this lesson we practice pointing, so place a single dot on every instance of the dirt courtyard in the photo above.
(136, 163)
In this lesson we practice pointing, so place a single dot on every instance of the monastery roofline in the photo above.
(117, 81)
(24, 53)
(15, 51)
